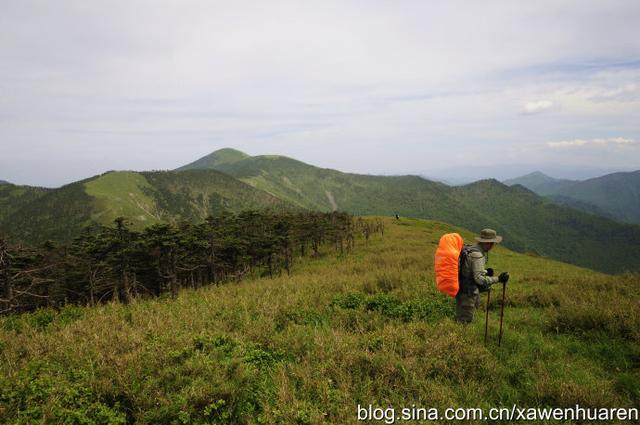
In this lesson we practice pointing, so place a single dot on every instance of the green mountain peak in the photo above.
(230, 153)
(216, 158)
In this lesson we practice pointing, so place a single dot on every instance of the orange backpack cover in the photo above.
(446, 263)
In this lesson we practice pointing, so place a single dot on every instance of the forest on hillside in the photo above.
(118, 263)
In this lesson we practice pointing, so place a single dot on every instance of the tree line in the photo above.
(115, 262)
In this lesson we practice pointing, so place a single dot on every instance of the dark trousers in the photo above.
(466, 305)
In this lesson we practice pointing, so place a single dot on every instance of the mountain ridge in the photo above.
(230, 180)
(526, 219)
(144, 198)
(615, 195)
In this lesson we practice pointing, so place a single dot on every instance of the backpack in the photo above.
(450, 255)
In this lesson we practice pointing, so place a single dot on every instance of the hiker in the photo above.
(474, 278)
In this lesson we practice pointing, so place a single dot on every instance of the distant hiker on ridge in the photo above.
(474, 278)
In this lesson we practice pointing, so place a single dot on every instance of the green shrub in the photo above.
(299, 316)
(69, 314)
(12, 324)
(223, 343)
(41, 318)
(352, 300)
(46, 390)
(393, 307)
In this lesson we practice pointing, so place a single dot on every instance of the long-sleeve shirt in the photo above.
(474, 269)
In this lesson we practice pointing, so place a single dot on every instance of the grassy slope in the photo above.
(306, 349)
(531, 223)
(35, 215)
(150, 197)
(319, 188)
(122, 194)
(194, 194)
(290, 179)
(316, 188)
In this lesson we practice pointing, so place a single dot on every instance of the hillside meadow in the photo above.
(363, 328)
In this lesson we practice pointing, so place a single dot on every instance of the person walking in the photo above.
(475, 277)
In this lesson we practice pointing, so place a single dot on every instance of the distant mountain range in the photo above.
(4, 182)
(228, 179)
(506, 171)
(540, 183)
(615, 195)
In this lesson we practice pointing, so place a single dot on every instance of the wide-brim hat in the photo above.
(489, 235)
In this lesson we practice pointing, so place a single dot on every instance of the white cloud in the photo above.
(567, 143)
(629, 92)
(612, 141)
(537, 106)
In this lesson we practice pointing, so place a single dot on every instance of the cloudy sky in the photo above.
(363, 86)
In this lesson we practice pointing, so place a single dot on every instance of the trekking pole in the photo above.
(504, 285)
(486, 319)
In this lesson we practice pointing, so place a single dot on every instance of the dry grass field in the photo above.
(364, 328)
